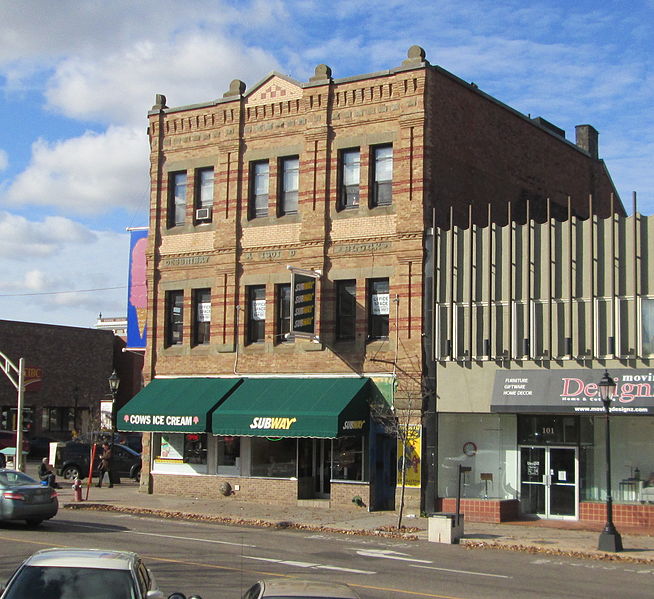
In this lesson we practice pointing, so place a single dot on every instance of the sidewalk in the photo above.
(548, 537)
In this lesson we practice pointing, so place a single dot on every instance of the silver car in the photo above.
(84, 574)
(23, 498)
(296, 588)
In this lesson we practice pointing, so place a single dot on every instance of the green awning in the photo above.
(174, 405)
(294, 407)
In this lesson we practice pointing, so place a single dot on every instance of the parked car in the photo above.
(289, 588)
(23, 498)
(8, 439)
(40, 446)
(84, 574)
(72, 460)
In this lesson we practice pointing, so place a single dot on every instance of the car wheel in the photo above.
(71, 472)
(136, 475)
(33, 522)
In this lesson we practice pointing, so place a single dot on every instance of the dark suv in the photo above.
(72, 460)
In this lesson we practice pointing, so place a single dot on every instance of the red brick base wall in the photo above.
(262, 490)
(484, 510)
(627, 514)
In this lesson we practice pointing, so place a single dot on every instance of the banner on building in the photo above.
(137, 291)
(303, 302)
(572, 391)
(408, 454)
(106, 414)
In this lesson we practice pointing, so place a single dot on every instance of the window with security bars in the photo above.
(350, 175)
(259, 185)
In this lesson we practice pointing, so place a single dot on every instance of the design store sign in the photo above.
(572, 391)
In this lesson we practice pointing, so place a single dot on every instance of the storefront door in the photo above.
(322, 467)
(548, 481)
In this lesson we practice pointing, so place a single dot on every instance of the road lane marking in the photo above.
(154, 534)
(307, 565)
(461, 571)
(387, 554)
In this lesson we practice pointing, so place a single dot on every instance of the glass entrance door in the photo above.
(548, 481)
(322, 461)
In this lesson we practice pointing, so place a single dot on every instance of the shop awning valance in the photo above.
(174, 405)
(294, 407)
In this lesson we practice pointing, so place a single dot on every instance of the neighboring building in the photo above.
(528, 317)
(341, 180)
(66, 376)
(116, 324)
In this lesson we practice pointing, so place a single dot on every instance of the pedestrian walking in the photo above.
(105, 464)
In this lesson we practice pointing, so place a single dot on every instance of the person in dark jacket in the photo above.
(46, 473)
(105, 464)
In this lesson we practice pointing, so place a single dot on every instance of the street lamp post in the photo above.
(610, 539)
(114, 382)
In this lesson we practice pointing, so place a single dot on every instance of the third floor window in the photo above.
(259, 182)
(349, 165)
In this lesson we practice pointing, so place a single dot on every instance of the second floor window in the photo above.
(201, 316)
(177, 199)
(345, 309)
(174, 317)
(289, 185)
(283, 312)
(382, 175)
(256, 325)
(203, 194)
(378, 308)
(349, 178)
(259, 181)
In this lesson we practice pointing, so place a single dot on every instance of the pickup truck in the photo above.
(72, 461)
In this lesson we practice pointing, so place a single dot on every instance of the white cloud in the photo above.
(4, 160)
(92, 174)
(21, 239)
(69, 286)
(120, 87)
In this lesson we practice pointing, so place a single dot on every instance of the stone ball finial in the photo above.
(236, 88)
(322, 73)
(415, 57)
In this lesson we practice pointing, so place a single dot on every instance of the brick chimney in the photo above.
(587, 139)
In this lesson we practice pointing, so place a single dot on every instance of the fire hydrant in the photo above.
(77, 490)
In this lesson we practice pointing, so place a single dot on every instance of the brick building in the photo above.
(339, 181)
(66, 375)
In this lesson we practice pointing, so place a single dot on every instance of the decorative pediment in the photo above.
(275, 88)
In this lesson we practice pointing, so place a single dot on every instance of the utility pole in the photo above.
(17, 378)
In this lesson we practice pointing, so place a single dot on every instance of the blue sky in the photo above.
(78, 77)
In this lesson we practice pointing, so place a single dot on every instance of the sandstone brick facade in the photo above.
(453, 146)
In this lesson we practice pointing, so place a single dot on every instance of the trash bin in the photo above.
(445, 528)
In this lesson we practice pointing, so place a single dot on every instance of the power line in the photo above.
(60, 292)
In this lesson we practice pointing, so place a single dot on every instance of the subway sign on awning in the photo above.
(303, 308)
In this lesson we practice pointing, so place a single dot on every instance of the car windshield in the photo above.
(9, 478)
(71, 583)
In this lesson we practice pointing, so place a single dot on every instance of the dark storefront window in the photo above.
(229, 451)
(58, 419)
(273, 458)
(195, 448)
(348, 459)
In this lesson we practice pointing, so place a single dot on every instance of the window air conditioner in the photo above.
(203, 214)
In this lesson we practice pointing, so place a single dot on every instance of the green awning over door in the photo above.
(181, 405)
(294, 407)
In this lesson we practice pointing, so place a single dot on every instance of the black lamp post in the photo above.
(610, 539)
(114, 382)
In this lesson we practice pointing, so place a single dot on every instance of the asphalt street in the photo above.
(222, 561)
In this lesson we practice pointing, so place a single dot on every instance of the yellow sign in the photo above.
(408, 455)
